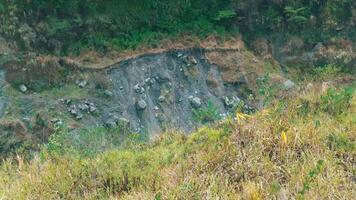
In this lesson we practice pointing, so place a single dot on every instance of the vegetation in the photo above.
(68, 27)
(208, 114)
(298, 147)
(300, 144)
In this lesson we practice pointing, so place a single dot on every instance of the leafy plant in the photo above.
(341, 142)
(266, 89)
(208, 114)
(327, 72)
(308, 180)
(336, 102)
(298, 16)
(225, 14)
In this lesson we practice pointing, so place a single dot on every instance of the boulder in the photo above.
(195, 101)
(141, 105)
(23, 88)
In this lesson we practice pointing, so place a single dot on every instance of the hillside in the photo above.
(180, 99)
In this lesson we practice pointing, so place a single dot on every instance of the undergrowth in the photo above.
(285, 151)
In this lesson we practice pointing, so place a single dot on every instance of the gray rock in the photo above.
(57, 122)
(82, 83)
(123, 121)
(110, 123)
(108, 93)
(83, 107)
(141, 104)
(161, 98)
(68, 101)
(92, 109)
(192, 60)
(23, 88)
(79, 116)
(139, 89)
(288, 84)
(195, 101)
(179, 55)
(231, 102)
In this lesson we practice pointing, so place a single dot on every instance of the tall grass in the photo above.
(286, 151)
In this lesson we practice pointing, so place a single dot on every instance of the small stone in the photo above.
(23, 88)
(161, 98)
(110, 123)
(73, 111)
(195, 101)
(57, 122)
(179, 55)
(192, 60)
(79, 116)
(92, 108)
(123, 121)
(68, 101)
(83, 107)
(234, 101)
(82, 83)
(288, 84)
(141, 104)
(139, 89)
(152, 81)
(108, 93)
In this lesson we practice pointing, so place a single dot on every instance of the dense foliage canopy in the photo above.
(76, 24)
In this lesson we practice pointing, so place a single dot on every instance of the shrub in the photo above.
(327, 72)
(335, 102)
(208, 114)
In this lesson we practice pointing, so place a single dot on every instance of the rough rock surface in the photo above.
(151, 93)
(165, 82)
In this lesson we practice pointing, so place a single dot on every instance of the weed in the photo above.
(335, 102)
(311, 176)
(327, 72)
(208, 114)
(340, 142)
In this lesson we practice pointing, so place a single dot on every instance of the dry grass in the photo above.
(292, 150)
(94, 60)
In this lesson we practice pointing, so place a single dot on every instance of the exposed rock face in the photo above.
(151, 93)
(160, 91)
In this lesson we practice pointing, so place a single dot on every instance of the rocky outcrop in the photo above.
(160, 91)
(152, 92)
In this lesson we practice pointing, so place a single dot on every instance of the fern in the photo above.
(225, 14)
(299, 16)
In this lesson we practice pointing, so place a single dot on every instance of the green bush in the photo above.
(208, 114)
(335, 102)
(327, 72)
(297, 16)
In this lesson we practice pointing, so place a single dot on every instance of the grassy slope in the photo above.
(301, 146)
